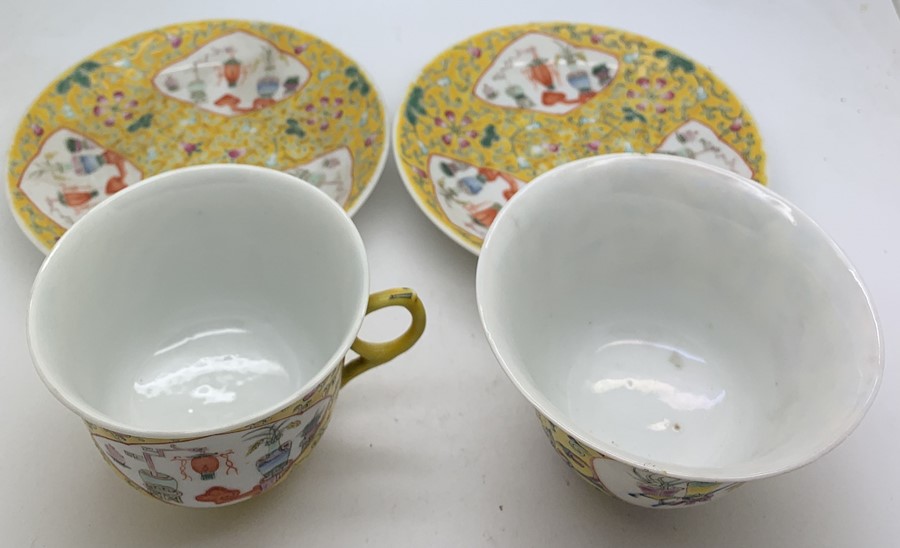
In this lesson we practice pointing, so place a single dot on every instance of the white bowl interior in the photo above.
(679, 317)
(198, 299)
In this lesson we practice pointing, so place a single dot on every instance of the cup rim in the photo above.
(173, 177)
(558, 417)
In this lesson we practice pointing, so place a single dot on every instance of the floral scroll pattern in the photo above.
(521, 100)
(198, 93)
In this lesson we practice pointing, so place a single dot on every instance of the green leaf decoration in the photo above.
(142, 122)
(357, 81)
(294, 128)
(88, 66)
(490, 136)
(414, 107)
(631, 115)
(675, 62)
(64, 85)
(81, 79)
(255, 446)
(79, 76)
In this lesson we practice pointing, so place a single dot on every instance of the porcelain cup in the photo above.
(198, 321)
(679, 329)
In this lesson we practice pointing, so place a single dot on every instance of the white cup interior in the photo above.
(678, 317)
(197, 300)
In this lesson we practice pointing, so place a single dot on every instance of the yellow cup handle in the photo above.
(372, 354)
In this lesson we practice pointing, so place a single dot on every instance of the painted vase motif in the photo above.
(231, 70)
(73, 173)
(630, 484)
(222, 468)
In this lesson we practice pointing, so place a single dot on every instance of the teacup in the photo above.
(198, 322)
(679, 329)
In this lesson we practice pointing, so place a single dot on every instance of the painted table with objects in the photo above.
(438, 448)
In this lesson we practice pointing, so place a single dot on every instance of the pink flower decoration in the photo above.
(118, 107)
(174, 40)
(456, 130)
(325, 113)
(596, 38)
(475, 52)
(593, 146)
(651, 95)
(553, 147)
(299, 49)
(736, 124)
(37, 130)
(420, 172)
(235, 153)
(190, 148)
(369, 140)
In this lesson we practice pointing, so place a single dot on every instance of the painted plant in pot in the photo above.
(224, 468)
(679, 329)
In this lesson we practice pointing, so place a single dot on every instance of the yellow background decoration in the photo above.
(611, 121)
(260, 137)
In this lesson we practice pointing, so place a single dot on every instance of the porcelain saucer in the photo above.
(205, 92)
(492, 112)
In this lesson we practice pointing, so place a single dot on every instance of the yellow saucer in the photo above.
(494, 111)
(195, 93)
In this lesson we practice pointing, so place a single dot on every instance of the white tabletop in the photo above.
(438, 448)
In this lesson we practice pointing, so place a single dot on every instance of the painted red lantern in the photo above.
(205, 465)
(232, 71)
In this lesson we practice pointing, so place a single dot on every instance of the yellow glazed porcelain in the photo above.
(494, 111)
(195, 93)
(208, 342)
